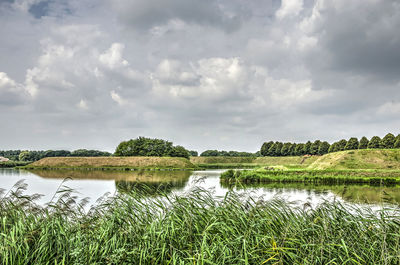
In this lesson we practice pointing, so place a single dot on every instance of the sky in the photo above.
(205, 74)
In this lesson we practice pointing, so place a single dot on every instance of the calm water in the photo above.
(94, 184)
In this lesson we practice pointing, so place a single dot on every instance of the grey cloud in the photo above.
(204, 74)
(144, 14)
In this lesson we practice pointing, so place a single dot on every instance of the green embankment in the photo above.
(357, 166)
(359, 159)
(11, 164)
(113, 163)
(252, 162)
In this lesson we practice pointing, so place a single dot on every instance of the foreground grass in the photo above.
(269, 175)
(195, 229)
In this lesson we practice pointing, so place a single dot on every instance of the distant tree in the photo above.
(352, 144)
(323, 148)
(89, 153)
(363, 143)
(26, 156)
(307, 148)
(285, 151)
(143, 146)
(299, 150)
(292, 149)
(388, 141)
(334, 147)
(342, 144)
(278, 151)
(265, 147)
(397, 144)
(193, 153)
(210, 153)
(179, 151)
(375, 142)
(272, 149)
(315, 147)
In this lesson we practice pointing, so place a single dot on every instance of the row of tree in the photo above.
(25, 155)
(143, 146)
(229, 153)
(320, 148)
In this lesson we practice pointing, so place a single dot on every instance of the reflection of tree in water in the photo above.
(149, 188)
(145, 181)
(350, 193)
(153, 183)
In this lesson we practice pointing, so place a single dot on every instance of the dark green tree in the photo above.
(334, 147)
(299, 150)
(375, 142)
(193, 153)
(179, 151)
(341, 144)
(352, 144)
(315, 147)
(143, 146)
(292, 149)
(265, 147)
(397, 144)
(272, 149)
(278, 150)
(307, 148)
(285, 151)
(388, 141)
(363, 143)
(323, 148)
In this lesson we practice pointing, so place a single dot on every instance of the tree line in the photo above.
(26, 155)
(143, 146)
(320, 148)
(229, 153)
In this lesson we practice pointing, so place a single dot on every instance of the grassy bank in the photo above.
(252, 162)
(195, 229)
(372, 177)
(359, 159)
(11, 164)
(112, 163)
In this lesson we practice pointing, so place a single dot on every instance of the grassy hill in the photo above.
(236, 162)
(113, 162)
(359, 159)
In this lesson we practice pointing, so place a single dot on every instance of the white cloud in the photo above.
(289, 8)
(112, 58)
(83, 104)
(117, 98)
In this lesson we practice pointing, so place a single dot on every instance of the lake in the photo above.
(94, 184)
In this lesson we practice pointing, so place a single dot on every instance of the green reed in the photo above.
(192, 229)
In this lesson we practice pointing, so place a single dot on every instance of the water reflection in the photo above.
(350, 193)
(148, 182)
(94, 184)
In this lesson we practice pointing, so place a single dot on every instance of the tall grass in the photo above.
(191, 229)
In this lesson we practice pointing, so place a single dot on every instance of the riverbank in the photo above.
(372, 177)
(196, 229)
(113, 163)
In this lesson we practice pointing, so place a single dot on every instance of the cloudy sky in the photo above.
(220, 74)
